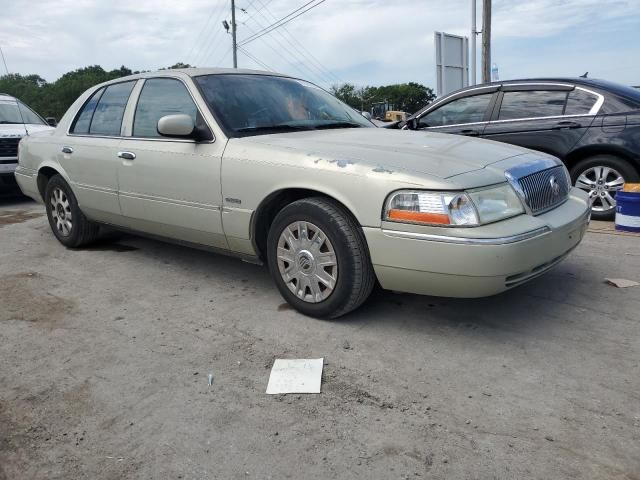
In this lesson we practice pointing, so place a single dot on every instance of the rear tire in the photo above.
(318, 258)
(67, 222)
(602, 176)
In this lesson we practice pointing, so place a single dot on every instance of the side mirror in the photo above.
(179, 125)
(366, 115)
(52, 121)
(412, 124)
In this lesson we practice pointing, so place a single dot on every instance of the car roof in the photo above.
(192, 72)
(593, 82)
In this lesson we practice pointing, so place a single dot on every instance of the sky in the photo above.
(365, 42)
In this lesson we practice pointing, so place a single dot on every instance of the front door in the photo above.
(463, 116)
(170, 186)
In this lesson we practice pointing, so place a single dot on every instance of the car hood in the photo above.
(433, 154)
(19, 129)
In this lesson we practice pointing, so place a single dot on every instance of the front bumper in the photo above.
(485, 261)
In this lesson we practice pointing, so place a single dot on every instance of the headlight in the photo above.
(430, 208)
(453, 208)
(496, 203)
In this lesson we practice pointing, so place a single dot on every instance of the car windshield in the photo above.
(9, 113)
(257, 104)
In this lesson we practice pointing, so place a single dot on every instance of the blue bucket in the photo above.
(628, 211)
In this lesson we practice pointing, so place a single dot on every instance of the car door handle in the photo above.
(470, 132)
(566, 124)
(127, 155)
(67, 150)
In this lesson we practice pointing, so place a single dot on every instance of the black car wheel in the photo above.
(67, 222)
(319, 259)
(602, 176)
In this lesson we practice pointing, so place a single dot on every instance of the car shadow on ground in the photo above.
(530, 306)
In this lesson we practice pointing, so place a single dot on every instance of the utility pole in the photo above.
(486, 41)
(233, 33)
(473, 43)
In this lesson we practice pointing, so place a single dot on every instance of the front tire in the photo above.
(601, 176)
(319, 259)
(67, 222)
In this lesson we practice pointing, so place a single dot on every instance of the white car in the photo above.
(15, 123)
(274, 169)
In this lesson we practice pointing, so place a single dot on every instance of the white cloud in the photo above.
(363, 41)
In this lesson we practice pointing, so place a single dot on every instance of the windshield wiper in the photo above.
(274, 128)
(338, 125)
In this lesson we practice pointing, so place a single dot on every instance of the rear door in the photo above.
(465, 114)
(547, 117)
(89, 151)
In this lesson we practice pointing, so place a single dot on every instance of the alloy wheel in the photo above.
(601, 183)
(61, 212)
(307, 261)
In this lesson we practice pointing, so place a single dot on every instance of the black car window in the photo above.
(160, 97)
(83, 120)
(579, 102)
(107, 119)
(532, 104)
(463, 110)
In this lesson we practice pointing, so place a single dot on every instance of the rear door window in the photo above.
(160, 97)
(580, 102)
(107, 118)
(532, 104)
(463, 110)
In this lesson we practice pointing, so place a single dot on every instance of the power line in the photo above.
(200, 38)
(212, 46)
(295, 43)
(284, 49)
(263, 65)
(279, 53)
(283, 21)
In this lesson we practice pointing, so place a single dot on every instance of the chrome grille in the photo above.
(545, 189)
(9, 146)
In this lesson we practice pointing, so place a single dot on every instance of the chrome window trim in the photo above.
(137, 97)
(594, 109)
(538, 232)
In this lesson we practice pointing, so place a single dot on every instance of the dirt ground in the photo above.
(105, 353)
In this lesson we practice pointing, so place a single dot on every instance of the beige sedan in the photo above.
(274, 169)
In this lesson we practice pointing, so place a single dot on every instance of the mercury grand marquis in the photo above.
(275, 170)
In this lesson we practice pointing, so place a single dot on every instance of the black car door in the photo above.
(547, 117)
(465, 114)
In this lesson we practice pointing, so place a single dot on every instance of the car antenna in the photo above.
(24, 125)
(585, 75)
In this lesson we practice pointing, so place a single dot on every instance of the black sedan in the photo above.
(593, 126)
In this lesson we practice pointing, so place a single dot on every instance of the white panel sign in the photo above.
(452, 62)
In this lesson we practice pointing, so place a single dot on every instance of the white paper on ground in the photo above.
(621, 282)
(295, 376)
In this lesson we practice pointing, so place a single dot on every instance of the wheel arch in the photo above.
(267, 210)
(576, 156)
(45, 172)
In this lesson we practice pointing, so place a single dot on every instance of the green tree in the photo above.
(408, 97)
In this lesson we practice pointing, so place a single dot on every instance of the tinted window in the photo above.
(160, 97)
(532, 104)
(579, 102)
(107, 118)
(81, 125)
(463, 110)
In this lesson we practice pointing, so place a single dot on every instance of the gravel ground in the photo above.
(105, 354)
